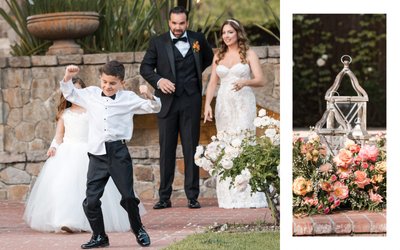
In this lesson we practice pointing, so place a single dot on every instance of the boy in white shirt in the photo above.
(110, 111)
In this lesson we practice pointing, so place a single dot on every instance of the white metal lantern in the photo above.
(345, 116)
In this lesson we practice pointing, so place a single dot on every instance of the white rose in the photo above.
(236, 142)
(271, 132)
(262, 112)
(257, 122)
(231, 152)
(226, 163)
(320, 62)
(199, 151)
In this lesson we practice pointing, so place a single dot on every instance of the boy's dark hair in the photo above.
(113, 68)
(179, 10)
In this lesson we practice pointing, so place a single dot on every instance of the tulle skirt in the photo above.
(56, 197)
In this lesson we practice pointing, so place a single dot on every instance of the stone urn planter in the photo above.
(62, 28)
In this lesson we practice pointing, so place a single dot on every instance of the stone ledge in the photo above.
(341, 223)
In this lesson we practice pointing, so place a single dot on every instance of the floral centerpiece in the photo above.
(247, 159)
(355, 178)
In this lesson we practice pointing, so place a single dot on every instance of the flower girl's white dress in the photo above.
(57, 195)
(235, 110)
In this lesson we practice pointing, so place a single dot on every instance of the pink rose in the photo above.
(364, 165)
(325, 168)
(369, 153)
(360, 178)
(333, 178)
(311, 201)
(326, 210)
(375, 198)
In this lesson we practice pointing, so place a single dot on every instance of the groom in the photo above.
(173, 65)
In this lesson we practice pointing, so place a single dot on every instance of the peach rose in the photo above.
(349, 143)
(381, 167)
(326, 186)
(377, 178)
(340, 190)
(344, 158)
(343, 172)
(360, 178)
(301, 186)
(369, 153)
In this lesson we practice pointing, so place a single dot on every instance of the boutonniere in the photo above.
(196, 46)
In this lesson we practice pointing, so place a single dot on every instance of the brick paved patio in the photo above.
(164, 226)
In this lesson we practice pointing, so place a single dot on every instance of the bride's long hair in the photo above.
(63, 103)
(243, 41)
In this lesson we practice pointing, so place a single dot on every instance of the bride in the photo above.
(234, 65)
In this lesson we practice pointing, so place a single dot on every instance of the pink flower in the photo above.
(325, 168)
(340, 190)
(312, 201)
(364, 165)
(326, 210)
(369, 153)
(344, 158)
(375, 198)
(333, 178)
(361, 179)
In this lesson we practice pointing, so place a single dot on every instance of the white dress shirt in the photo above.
(109, 120)
(183, 47)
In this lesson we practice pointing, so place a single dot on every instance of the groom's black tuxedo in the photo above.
(180, 111)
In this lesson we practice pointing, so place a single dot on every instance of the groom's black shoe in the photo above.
(142, 237)
(193, 204)
(162, 204)
(96, 241)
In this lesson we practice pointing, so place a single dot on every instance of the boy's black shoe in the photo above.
(142, 237)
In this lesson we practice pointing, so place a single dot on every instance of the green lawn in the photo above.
(231, 241)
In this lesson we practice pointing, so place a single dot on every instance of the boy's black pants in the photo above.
(116, 163)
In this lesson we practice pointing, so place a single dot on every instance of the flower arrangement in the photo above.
(354, 178)
(196, 46)
(247, 158)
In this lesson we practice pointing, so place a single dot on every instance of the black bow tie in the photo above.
(183, 39)
(112, 97)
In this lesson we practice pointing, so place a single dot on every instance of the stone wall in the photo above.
(28, 98)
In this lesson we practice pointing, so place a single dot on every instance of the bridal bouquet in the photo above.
(355, 178)
(246, 158)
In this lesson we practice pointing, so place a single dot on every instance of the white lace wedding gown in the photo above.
(57, 196)
(235, 110)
